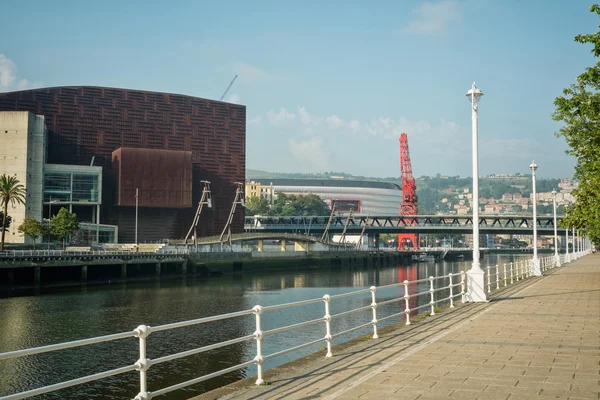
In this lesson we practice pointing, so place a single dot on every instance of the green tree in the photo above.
(289, 205)
(579, 109)
(8, 220)
(257, 205)
(64, 224)
(31, 227)
(13, 193)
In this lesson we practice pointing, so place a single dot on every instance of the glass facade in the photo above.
(104, 233)
(71, 186)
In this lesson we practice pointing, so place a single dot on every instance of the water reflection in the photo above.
(53, 315)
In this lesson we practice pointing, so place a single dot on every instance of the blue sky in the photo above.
(329, 85)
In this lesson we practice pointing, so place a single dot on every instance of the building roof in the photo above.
(329, 183)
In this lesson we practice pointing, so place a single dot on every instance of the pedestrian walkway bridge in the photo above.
(499, 224)
(536, 338)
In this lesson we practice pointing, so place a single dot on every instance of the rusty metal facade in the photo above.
(85, 122)
(163, 177)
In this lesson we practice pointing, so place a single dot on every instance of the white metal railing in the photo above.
(454, 284)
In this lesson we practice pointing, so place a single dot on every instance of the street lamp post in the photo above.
(556, 257)
(535, 262)
(136, 218)
(574, 246)
(475, 276)
(567, 259)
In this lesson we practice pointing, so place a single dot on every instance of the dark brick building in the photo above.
(193, 139)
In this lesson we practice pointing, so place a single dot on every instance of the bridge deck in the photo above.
(539, 339)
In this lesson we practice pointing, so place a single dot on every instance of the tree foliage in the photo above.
(288, 205)
(8, 221)
(64, 224)
(31, 227)
(579, 109)
(13, 193)
(257, 205)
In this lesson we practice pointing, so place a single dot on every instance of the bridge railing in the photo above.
(451, 286)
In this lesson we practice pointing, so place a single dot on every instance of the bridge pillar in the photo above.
(158, 269)
(283, 244)
(184, 268)
(260, 245)
(84, 273)
(300, 246)
(37, 275)
(123, 271)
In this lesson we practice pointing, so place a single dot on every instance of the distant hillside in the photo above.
(258, 174)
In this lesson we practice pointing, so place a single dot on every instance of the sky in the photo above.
(329, 85)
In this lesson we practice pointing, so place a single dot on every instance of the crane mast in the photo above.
(409, 205)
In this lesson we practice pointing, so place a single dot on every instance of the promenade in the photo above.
(537, 339)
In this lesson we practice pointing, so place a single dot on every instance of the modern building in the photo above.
(104, 144)
(256, 189)
(22, 154)
(363, 197)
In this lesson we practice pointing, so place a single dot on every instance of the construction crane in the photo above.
(409, 195)
(228, 87)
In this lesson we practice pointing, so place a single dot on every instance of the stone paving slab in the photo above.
(537, 339)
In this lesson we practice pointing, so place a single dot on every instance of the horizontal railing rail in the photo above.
(453, 283)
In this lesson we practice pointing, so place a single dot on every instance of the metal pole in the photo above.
(556, 257)
(136, 218)
(567, 259)
(535, 262)
(475, 281)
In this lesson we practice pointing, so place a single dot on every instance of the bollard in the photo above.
(488, 280)
(497, 278)
(504, 274)
(462, 286)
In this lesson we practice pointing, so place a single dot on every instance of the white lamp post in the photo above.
(535, 262)
(136, 218)
(567, 258)
(574, 241)
(556, 257)
(475, 276)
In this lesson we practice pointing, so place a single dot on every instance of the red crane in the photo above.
(409, 195)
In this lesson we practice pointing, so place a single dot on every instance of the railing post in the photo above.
(258, 334)
(462, 286)
(505, 283)
(450, 288)
(432, 293)
(488, 280)
(512, 280)
(406, 298)
(374, 308)
(327, 318)
(141, 365)
(497, 278)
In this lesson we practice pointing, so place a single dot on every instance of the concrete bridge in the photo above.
(492, 224)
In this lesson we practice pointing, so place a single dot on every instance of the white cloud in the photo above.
(433, 17)
(254, 121)
(8, 72)
(234, 98)
(281, 117)
(248, 74)
(334, 122)
(312, 151)
(304, 116)
(8, 76)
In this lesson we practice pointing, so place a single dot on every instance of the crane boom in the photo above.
(228, 87)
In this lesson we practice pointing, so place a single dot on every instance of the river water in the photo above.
(57, 315)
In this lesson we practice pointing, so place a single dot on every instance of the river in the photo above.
(54, 315)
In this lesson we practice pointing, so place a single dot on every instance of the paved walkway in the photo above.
(538, 339)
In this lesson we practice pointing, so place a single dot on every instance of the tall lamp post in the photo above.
(136, 218)
(556, 257)
(535, 262)
(475, 276)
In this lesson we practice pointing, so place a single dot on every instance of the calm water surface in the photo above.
(65, 314)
